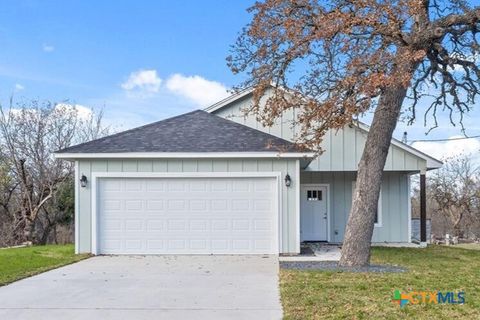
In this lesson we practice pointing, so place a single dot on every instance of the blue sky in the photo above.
(139, 60)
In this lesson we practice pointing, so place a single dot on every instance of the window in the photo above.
(314, 195)
(378, 215)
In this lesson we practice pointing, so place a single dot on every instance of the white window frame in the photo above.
(377, 224)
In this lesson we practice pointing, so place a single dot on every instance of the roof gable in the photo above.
(412, 159)
(196, 131)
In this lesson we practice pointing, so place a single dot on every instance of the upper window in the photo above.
(314, 195)
(378, 214)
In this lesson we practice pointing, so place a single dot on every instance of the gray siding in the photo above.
(395, 197)
(336, 167)
(342, 148)
(288, 196)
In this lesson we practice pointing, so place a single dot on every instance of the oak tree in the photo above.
(336, 60)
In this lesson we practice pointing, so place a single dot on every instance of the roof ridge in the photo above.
(194, 131)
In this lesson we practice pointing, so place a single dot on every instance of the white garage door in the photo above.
(187, 216)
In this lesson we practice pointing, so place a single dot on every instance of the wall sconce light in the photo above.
(83, 181)
(288, 180)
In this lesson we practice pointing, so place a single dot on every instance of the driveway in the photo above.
(149, 287)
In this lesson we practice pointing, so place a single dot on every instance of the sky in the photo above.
(143, 61)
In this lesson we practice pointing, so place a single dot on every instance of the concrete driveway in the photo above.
(149, 287)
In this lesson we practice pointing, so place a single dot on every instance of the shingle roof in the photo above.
(196, 131)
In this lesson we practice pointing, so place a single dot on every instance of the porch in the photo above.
(325, 203)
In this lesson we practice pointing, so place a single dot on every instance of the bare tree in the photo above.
(29, 134)
(8, 188)
(455, 188)
(343, 58)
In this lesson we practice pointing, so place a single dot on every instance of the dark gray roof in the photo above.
(196, 131)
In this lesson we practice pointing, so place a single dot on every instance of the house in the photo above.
(217, 181)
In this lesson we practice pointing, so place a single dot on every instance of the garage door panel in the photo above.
(199, 225)
(176, 186)
(133, 205)
(176, 205)
(112, 185)
(198, 186)
(154, 185)
(201, 216)
(219, 186)
(134, 185)
(176, 225)
(154, 205)
(154, 245)
(154, 225)
(133, 225)
(111, 205)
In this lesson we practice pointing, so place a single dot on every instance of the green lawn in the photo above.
(471, 246)
(18, 263)
(343, 295)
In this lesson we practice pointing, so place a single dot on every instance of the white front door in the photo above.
(187, 216)
(313, 213)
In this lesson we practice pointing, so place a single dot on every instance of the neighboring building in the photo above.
(211, 182)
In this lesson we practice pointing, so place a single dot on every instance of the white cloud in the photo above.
(142, 83)
(18, 87)
(451, 148)
(48, 47)
(197, 89)
(83, 112)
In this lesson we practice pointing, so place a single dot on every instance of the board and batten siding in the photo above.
(289, 206)
(342, 148)
(395, 197)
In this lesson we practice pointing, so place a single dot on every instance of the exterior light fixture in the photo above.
(83, 181)
(288, 180)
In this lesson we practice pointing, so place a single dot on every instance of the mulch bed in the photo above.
(333, 266)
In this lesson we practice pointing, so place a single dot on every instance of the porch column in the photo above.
(423, 207)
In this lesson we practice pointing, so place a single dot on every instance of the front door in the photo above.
(313, 213)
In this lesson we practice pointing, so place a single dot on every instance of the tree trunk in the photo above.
(55, 239)
(359, 230)
(456, 224)
(29, 229)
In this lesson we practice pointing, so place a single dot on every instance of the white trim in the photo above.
(432, 163)
(98, 175)
(185, 155)
(279, 218)
(93, 217)
(77, 208)
(327, 187)
(205, 174)
(222, 103)
(379, 223)
(409, 210)
(297, 206)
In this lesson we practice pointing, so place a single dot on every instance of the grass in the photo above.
(471, 246)
(19, 263)
(343, 295)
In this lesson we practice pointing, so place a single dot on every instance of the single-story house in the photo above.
(216, 181)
